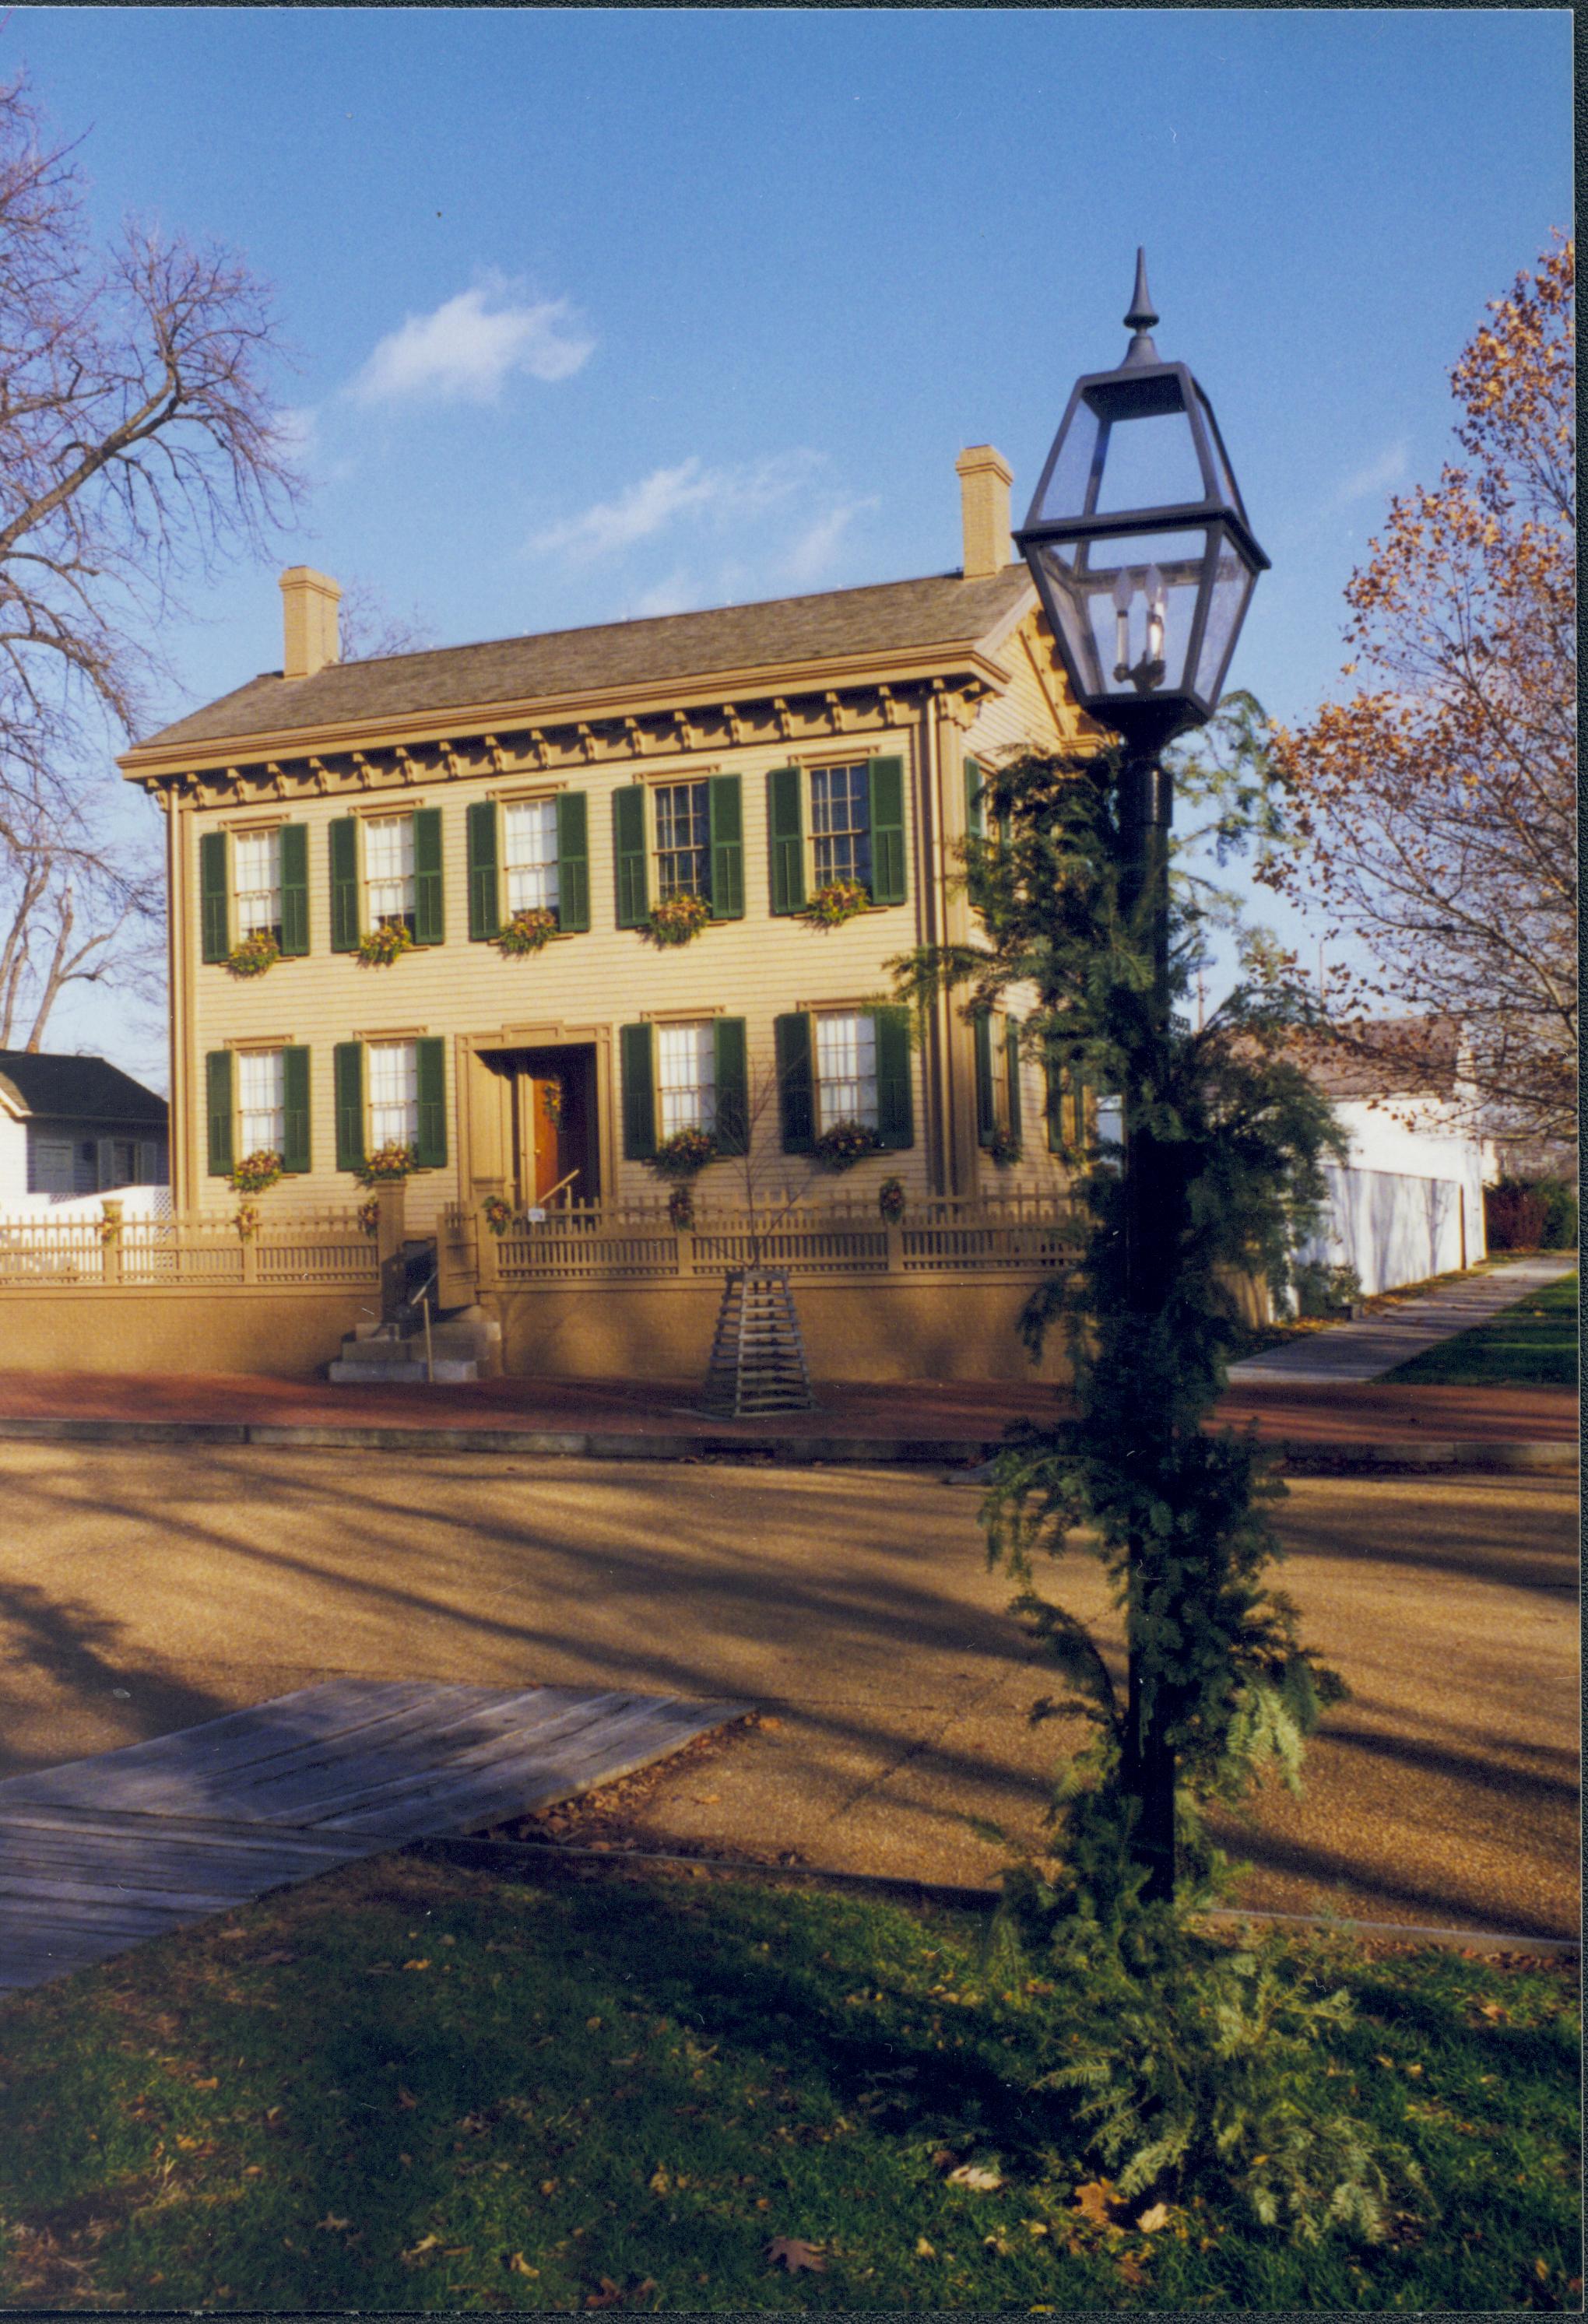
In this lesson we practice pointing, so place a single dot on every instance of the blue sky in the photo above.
(605, 312)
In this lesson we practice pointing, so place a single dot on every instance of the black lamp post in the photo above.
(1141, 550)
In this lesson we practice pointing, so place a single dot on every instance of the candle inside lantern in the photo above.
(1124, 589)
(1155, 610)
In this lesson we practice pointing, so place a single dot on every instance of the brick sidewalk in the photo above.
(957, 1416)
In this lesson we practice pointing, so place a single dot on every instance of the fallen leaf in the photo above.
(1491, 2009)
(1094, 2202)
(793, 2254)
(658, 2182)
(1151, 2221)
(405, 2099)
(772, 1724)
(206, 2081)
(924, 2250)
(331, 2223)
(269, 1960)
(425, 2244)
(520, 2265)
(607, 2296)
(1130, 2268)
(980, 2175)
(416, 1964)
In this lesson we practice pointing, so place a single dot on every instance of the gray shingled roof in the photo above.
(79, 1089)
(933, 615)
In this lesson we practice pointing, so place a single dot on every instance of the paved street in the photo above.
(143, 1589)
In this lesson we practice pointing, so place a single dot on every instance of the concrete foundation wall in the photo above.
(288, 1335)
(864, 1330)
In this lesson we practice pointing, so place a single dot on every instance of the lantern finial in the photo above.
(1141, 318)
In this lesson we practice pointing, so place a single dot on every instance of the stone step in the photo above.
(448, 1371)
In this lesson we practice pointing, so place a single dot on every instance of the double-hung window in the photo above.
(262, 1100)
(835, 822)
(529, 855)
(841, 824)
(388, 869)
(846, 1070)
(256, 880)
(683, 840)
(393, 1093)
(686, 1077)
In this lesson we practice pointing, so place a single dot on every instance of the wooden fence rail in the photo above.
(326, 1250)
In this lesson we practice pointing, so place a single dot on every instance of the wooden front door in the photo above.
(538, 1113)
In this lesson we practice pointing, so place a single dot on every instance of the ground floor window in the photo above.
(393, 1094)
(686, 1077)
(846, 1070)
(260, 1101)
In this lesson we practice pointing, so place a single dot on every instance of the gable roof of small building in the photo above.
(938, 617)
(76, 1089)
(1386, 1056)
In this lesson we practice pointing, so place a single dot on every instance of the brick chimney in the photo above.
(308, 606)
(984, 479)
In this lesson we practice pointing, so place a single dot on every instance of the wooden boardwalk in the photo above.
(98, 1854)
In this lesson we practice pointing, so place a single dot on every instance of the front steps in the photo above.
(466, 1345)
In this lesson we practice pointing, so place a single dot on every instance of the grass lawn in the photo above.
(411, 2087)
(1533, 1344)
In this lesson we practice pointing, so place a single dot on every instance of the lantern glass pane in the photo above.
(1140, 599)
(1225, 483)
(1230, 585)
(1065, 493)
(1150, 462)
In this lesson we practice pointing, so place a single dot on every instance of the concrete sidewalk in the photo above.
(1368, 1348)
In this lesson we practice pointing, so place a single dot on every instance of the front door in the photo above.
(545, 1132)
(539, 1110)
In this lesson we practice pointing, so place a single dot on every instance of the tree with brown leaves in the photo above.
(1436, 807)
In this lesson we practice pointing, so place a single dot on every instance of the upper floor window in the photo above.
(388, 869)
(530, 856)
(683, 840)
(836, 823)
(256, 880)
(846, 1070)
(679, 839)
(686, 1077)
(841, 824)
(262, 1101)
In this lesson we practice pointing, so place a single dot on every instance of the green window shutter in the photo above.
(573, 863)
(796, 1045)
(215, 902)
(428, 914)
(628, 856)
(727, 848)
(733, 1084)
(1053, 1095)
(294, 1109)
(975, 806)
(785, 824)
(345, 912)
(294, 843)
(217, 1107)
(431, 1146)
(986, 1107)
(633, 1042)
(888, 880)
(347, 1074)
(1012, 1069)
(895, 1112)
(480, 829)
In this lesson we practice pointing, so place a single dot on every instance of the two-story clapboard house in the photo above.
(572, 783)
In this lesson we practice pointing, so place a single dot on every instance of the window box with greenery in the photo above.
(686, 1093)
(844, 1070)
(385, 884)
(390, 1095)
(256, 1103)
(833, 827)
(253, 897)
(678, 840)
(529, 871)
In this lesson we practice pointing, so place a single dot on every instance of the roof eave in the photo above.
(968, 658)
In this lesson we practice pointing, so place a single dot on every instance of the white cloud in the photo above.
(812, 555)
(1378, 476)
(677, 595)
(721, 496)
(297, 426)
(467, 349)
